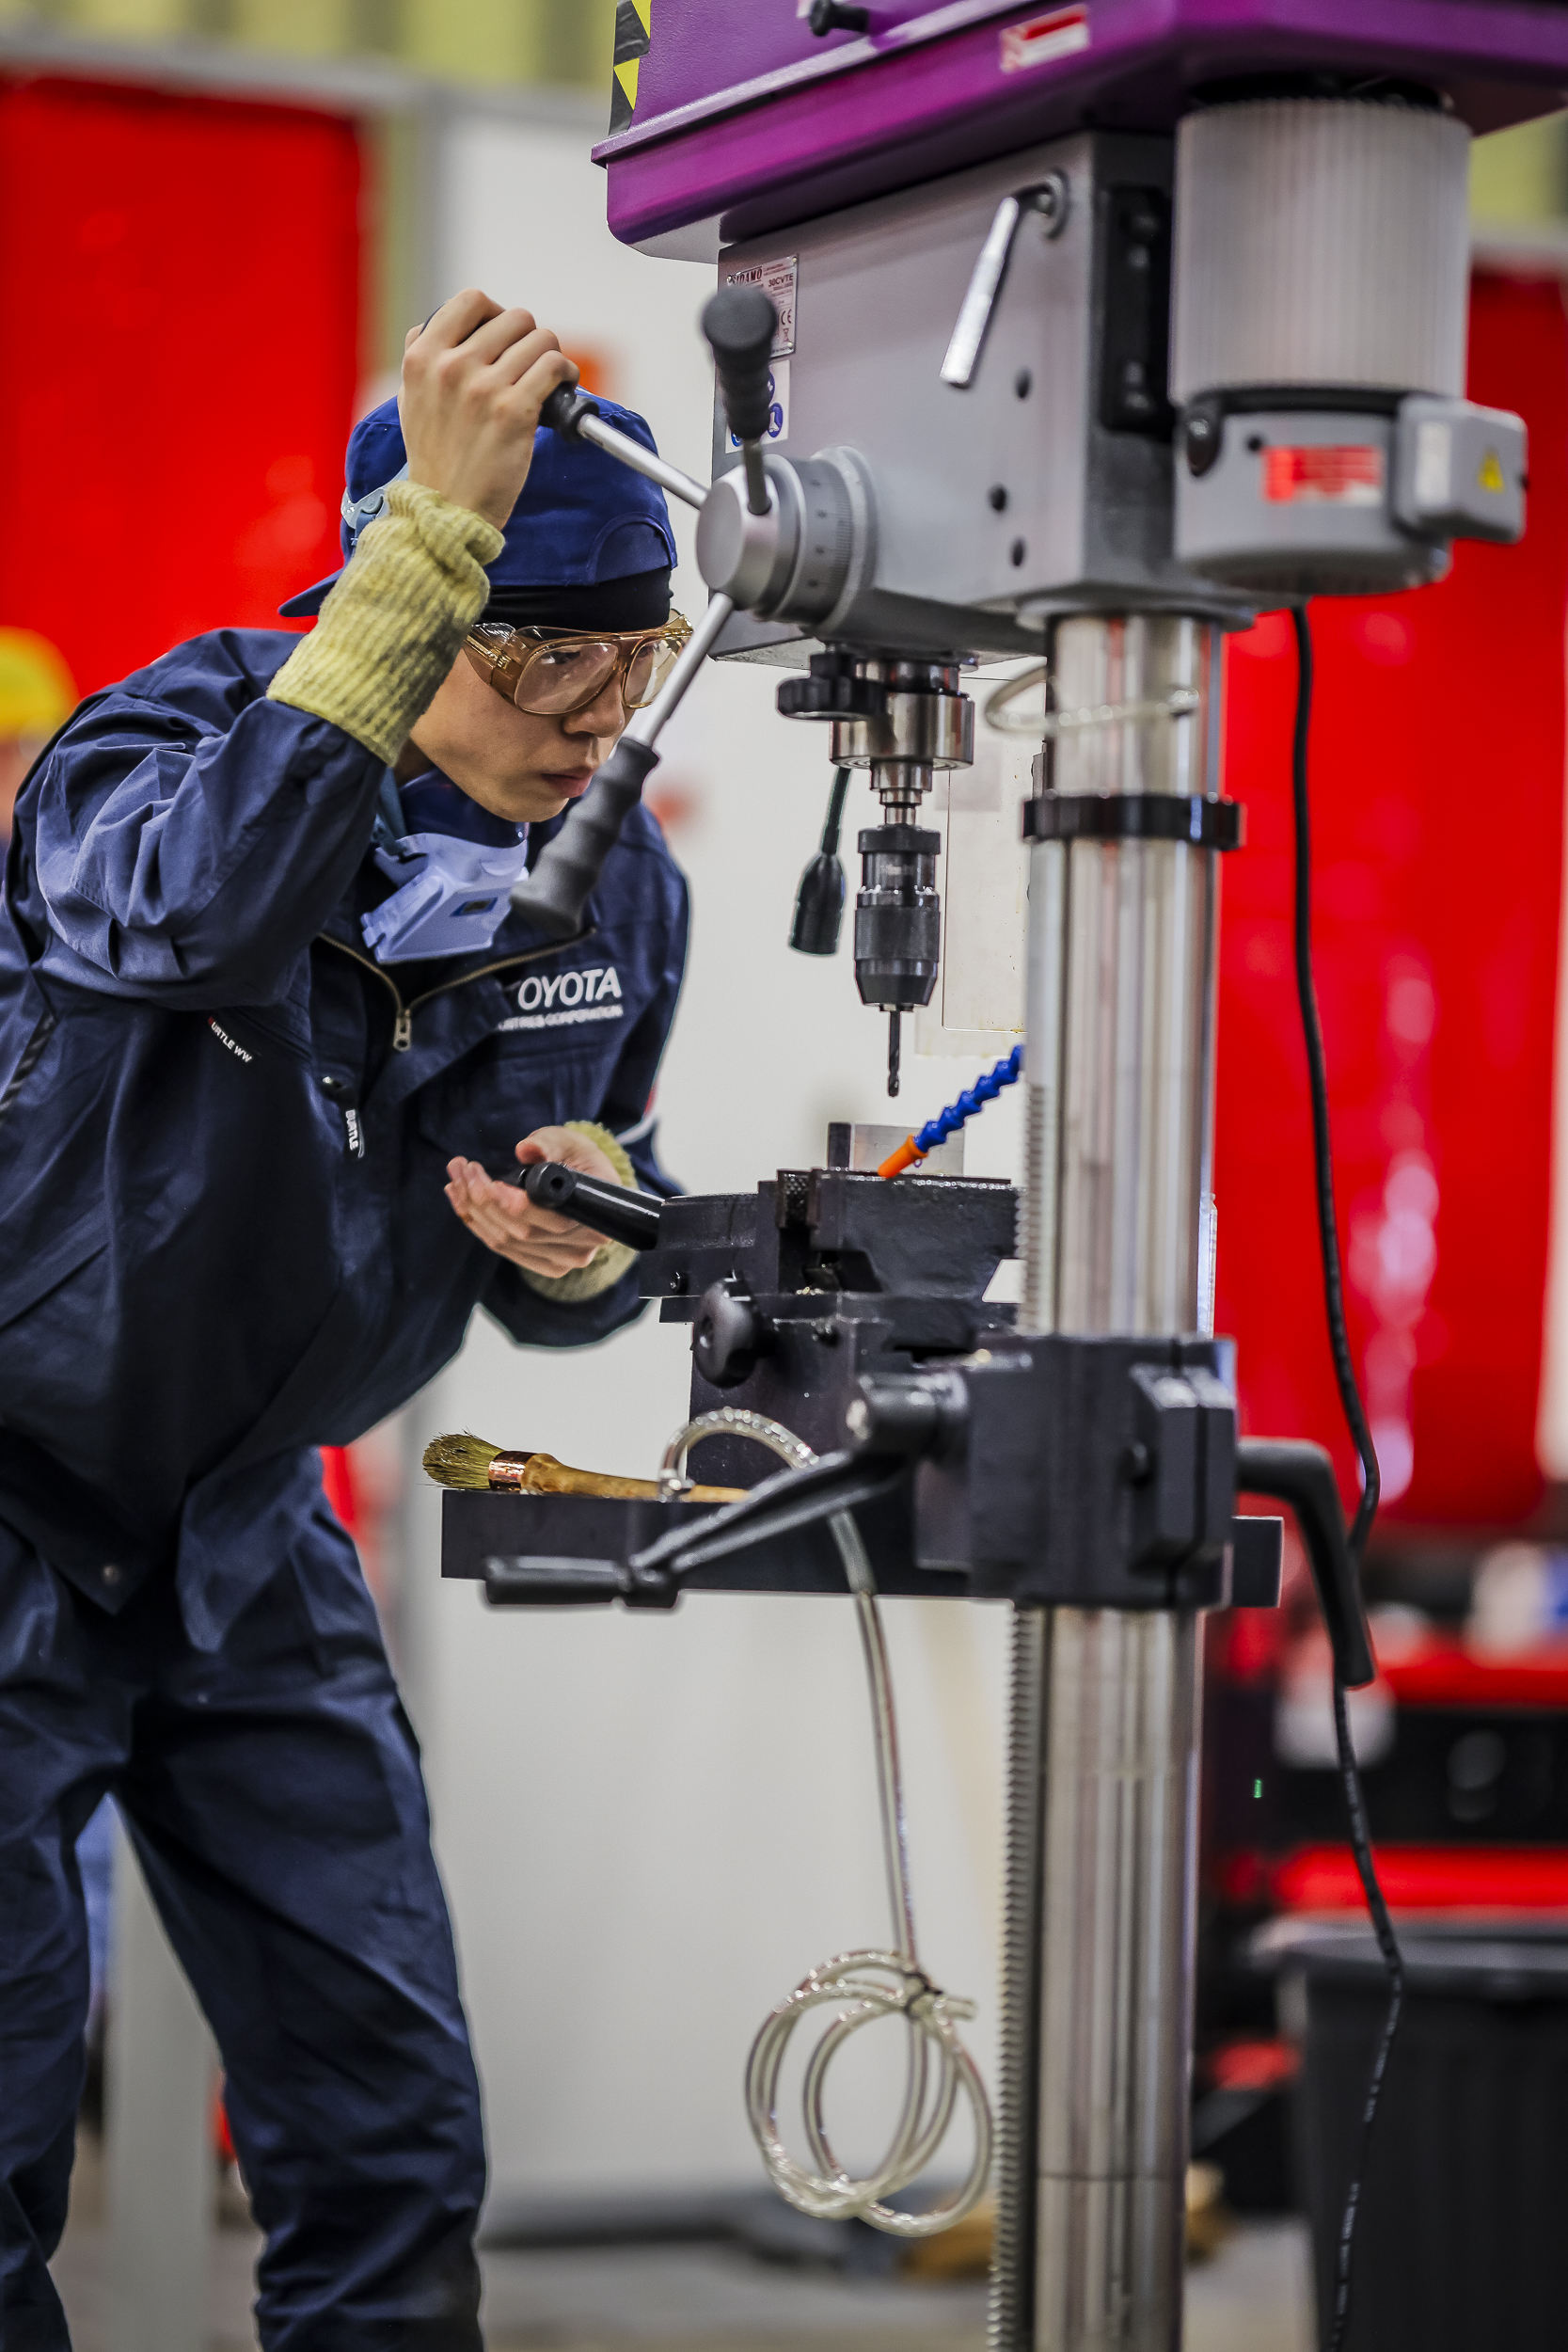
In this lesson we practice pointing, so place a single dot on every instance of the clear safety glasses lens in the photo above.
(647, 671)
(556, 680)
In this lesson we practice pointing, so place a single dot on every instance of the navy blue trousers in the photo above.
(273, 1793)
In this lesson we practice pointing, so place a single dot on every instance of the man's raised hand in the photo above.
(474, 379)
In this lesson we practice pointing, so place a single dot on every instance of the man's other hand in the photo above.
(474, 379)
(506, 1221)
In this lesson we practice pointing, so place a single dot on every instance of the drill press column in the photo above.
(1102, 1815)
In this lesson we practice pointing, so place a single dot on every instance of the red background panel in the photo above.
(1484, 1879)
(1437, 766)
(180, 293)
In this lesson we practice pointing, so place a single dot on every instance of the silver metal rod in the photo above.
(890, 1784)
(969, 334)
(641, 460)
(1119, 1854)
(645, 724)
(757, 501)
(1103, 1810)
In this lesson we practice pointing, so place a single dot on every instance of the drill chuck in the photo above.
(897, 917)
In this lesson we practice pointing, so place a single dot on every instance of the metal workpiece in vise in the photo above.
(796, 1288)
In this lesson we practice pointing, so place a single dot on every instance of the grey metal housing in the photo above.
(1338, 542)
(1391, 490)
(1459, 470)
(998, 504)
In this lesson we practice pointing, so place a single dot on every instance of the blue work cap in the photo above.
(583, 518)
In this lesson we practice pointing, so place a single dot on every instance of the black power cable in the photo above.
(1349, 1399)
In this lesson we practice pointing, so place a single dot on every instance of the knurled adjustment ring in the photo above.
(832, 692)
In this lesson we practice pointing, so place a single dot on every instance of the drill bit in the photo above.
(892, 1052)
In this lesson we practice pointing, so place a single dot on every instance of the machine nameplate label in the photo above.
(777, 281)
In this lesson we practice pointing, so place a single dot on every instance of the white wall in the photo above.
(650, 1828)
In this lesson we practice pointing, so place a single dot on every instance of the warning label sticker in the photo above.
(778, 404)
(777, 281)
(1334, 474)
(1054, 35)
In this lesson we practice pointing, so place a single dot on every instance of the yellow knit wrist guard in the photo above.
(391, 628)
(607, 1266)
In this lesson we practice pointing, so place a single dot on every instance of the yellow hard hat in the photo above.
(36, 690)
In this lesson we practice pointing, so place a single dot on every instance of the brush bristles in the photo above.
(463, 1460)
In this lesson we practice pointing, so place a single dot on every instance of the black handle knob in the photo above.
(818, 907)
(740, 324)
(833, 16)
(614, 1210)
(919, 1413)
(555, 895)
(565, 410)
(819, 899)
(728, 1337)
(522, 1582)
(1303, 1476)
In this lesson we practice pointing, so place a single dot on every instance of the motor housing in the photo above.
(1320, 294)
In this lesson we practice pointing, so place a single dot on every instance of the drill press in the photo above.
(1077, 334)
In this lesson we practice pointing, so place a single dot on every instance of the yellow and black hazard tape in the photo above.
(633, 33)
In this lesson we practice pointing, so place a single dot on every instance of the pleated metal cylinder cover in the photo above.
(1320, 242)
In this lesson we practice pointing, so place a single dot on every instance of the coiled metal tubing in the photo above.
(861, 1986)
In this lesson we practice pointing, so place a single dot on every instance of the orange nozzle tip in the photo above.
(904, 1157)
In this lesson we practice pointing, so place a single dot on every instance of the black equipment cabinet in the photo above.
(1461, 2244)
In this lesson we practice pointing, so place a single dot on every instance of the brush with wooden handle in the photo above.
(467, 1461)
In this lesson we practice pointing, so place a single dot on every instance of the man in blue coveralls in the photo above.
(271, 1044)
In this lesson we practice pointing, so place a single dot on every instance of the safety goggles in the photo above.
(552, 674)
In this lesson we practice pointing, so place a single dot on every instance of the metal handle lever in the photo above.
(572, 415)
(1290, 1471)
(1049, 198)
(555, 894)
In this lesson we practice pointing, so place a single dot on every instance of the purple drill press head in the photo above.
(744, 118)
